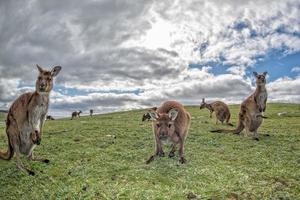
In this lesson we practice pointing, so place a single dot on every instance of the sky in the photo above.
(120, 55)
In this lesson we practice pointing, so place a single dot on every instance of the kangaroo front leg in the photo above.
(172, 152)
(158, 151)
(182, 160)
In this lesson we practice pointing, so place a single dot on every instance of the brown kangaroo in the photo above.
(25, 120)
(220, 108)
(251, 111)
(76, 114)
(147, 115)
(170, 121)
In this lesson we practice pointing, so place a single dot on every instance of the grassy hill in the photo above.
(2, 117)
(103, 158)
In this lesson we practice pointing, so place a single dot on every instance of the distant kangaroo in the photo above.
(76, 114)
(147, 115)
(171, 121)
(49, 117)
(220, 108)
(26, 117)
(251, 111)
(91, 112)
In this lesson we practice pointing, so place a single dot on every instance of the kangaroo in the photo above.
(170, 121)
(221, 110)
(76, 114)
(25, 120)
(49, 117)
(147, 115)
(252, 109)
(91, 112)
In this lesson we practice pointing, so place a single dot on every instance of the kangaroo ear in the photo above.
(39, 68)
(265, 73)
(173, 113)
(153, 114)
(255, 74)
(55, 70)
(203, 100)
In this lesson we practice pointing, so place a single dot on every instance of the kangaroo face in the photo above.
(44, 82)
(164, 127)
(260, 78)
(164, 124)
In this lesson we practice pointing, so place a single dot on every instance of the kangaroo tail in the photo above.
(10, 151)
(238, 129)
(8, 154)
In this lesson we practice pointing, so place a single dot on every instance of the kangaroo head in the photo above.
(260, 78)
(164, 123)
(44, 82)
(203, 104)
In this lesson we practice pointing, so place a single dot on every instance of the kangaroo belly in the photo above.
(26, 143)
(255, 123)
(34, 124)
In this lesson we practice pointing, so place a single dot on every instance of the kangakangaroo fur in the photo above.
(170, 121)
(252, 109)
(26, 117)
(220, 108)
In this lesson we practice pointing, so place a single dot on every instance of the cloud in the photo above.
(284, 90)
(110, 46)
(295, 69)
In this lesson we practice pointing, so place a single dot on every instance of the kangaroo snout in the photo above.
(163, 136)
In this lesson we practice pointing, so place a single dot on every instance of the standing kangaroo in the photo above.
(251, 111)
(25, 120)
(220, 108)
(171, 121)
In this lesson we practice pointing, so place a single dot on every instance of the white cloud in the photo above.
(295, 69)
(110, 45)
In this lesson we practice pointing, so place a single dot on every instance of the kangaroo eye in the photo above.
(170, 125)
(40, 78)
(157, 125)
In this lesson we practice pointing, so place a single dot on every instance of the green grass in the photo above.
(103, 158)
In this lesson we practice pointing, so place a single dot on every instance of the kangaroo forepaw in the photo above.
(182, 160)
(31, 173)
(171, 154)
(161, 154)
(36, 137)
(46, 161)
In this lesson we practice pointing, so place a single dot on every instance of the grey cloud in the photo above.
(100, 43)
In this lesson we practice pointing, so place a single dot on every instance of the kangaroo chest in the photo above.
(38, 112)
(262, 97)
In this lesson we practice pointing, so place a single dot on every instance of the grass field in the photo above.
(103, 158)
